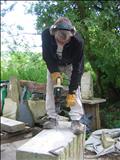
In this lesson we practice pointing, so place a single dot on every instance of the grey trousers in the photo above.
(76, 111)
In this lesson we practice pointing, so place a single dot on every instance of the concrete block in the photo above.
(13, 90)
(87, 86)
(53, 144)
(37, 108)
(10, 109)
(10, 125)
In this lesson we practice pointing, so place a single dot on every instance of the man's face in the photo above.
(63, 36)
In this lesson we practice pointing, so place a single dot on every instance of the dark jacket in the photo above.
(72, 54)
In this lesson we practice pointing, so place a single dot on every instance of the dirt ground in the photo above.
(8, 150)
(11, 144)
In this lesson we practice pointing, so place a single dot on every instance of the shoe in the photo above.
(77, 127)
(50, 124)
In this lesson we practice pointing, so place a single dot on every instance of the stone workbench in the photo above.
(53, 144)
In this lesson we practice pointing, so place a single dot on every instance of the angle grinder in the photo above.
(58, 88)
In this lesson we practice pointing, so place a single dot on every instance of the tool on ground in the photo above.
(56, 150)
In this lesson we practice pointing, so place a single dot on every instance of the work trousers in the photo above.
(76, 111)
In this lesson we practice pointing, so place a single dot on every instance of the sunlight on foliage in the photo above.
(28, 66)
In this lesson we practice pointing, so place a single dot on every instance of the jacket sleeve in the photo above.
(78, 67)
(47, 53)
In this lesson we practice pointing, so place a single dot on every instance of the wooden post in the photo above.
(92, 106)
(98, 121)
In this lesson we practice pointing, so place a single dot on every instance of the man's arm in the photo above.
(78, 67)
(47, 52)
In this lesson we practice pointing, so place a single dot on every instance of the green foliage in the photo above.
(110, 116)
(28, 66)
(105, 48)
(48, 11)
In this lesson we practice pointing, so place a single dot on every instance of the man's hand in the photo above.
(71, 100)
(55, 76)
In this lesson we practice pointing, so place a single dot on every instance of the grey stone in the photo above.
(37, 108)
(87, 86)
(10, 125)
(13, 90)
(60, 141)
(10, 109)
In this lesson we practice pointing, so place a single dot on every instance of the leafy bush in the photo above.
(27, 66)
(110, 115)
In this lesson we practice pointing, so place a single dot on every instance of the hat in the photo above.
(62, 23)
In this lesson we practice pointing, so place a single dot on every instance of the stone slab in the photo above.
(87, 85)
(37, 108)
(93, 100)
(53, 144)
(10, 125)
(10, 109)
(13, 90)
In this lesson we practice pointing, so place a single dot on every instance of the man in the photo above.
(63, 52)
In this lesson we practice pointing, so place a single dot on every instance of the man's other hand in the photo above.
(71, 100)
(55, 76)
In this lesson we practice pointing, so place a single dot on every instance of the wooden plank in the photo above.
(33, 86)
(94, 111)
(92, 107)
(98, 122)
(93, 101)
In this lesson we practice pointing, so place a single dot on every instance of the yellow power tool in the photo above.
(58, 88)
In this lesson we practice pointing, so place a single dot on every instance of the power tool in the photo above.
(60, 99)
(58, 88)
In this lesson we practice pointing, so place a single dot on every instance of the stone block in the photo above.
(13, 90)
(37, 108)
(10, 109)
(87, 86)
(53, 144)
(10, 125)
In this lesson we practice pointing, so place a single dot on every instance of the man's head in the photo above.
(63, 36)
(63, 30)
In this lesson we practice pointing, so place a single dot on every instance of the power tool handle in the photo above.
(58, 81)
